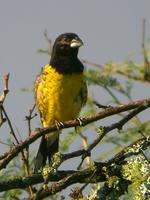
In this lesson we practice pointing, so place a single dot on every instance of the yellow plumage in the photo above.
(59, 97)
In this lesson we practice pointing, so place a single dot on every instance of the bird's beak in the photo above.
(75, 43)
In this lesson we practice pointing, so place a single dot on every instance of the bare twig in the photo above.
(4, 155)
(3, 97)
(49, 50)
(101, 106)
(5, 90)
(90, 178)
(146, 158)
(48, 39)
(146, 61)
(2, 119)
(26, 162)
(92, 63)
(6, 144)
(10, 125)
(26, 152)
(87, 157)
(29, 118)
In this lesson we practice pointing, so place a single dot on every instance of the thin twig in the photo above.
(4, 155)
(143, 43)
(86, 184)
(2, 119)
(4, 143)
(29, 118)
(101, 106)
(87, 157)
(146, 158)
(10, 125)
(146, 61)
(92, 63)
(5, 90)
(3, 97)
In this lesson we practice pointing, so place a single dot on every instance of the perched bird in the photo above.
(60, 92)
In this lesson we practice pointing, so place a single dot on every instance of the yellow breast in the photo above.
(59, 97)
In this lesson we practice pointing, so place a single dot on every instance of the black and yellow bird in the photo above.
(60, 92)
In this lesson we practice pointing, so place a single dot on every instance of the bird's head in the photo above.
(64, 54)
(67, 42)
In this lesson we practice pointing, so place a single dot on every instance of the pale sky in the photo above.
(110, 30)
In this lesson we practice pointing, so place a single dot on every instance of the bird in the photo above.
(60, 93)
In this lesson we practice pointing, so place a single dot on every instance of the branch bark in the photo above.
(69, 177)
(73, 123)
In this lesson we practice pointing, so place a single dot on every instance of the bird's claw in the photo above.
(59, 125)
(80, 121)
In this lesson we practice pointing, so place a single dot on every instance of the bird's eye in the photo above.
(65, 39)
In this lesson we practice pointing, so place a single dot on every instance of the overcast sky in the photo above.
(110, 29)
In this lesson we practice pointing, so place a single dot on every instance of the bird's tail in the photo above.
(48, 147)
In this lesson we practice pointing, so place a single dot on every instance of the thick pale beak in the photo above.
(75, 43)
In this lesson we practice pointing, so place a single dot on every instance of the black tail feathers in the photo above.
(45, 152)
(41, 156)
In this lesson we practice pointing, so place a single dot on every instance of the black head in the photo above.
(67, 42)
(64, 53)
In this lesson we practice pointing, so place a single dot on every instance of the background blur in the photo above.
(111, 30)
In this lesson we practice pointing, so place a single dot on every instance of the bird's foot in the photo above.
(59, 125)
(81, 123)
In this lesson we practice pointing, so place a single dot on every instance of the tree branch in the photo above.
(97, 173)
(117, 125)
(68, 177)
(73, 123)
(23, 182)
